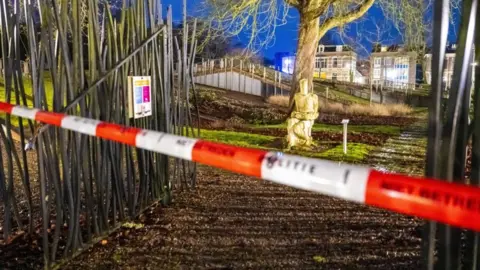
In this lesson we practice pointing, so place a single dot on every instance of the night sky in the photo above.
(286, 35)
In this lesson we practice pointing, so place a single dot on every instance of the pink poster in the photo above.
(146, 93)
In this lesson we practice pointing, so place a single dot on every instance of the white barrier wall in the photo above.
(232, 81)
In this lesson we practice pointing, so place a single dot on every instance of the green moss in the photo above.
(319, 259)
(383, 129)
(356, 153)
(238, 138)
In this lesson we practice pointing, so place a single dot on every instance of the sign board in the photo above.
(139, 96)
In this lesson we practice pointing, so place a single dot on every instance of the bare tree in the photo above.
(413, 20)
(261, 17)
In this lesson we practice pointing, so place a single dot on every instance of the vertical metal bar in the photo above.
(275, 83)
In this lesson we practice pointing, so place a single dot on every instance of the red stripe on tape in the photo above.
(51, 118)
(117, 133)
(6, 107)
(232, 158)
(451, 203)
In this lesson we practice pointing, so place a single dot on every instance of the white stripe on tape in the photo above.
(24, 112)
(82, 125)
(172, 145)
(327, 177)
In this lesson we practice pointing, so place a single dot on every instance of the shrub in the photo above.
(371, 110)
(352, 109)
(218, 124)
(399, 109)
(282, 101)
(333, 107)
(206, 96)
(235, 122)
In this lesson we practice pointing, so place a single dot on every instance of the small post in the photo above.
(275, 83)
(345, 123)
(327, 93)
(264, 73)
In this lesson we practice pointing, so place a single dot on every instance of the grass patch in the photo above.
(342, 96)
(338, 95)
(27, 84)
(356, 153)
(237, 138)
(383, 129)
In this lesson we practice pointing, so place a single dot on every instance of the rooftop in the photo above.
(384, 48)
(335, 48)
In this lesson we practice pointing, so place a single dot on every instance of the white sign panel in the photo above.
(140, 96)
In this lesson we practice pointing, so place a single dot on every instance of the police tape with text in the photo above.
(451, 203)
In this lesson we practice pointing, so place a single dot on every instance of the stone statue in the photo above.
(300, 123)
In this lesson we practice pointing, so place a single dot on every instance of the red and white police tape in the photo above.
(454, 204)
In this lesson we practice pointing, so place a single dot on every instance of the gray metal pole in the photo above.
(275, 84)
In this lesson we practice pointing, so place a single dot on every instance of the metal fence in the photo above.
(64, 189)
(453, 128)
(279, 83)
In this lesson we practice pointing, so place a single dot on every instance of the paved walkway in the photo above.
(405, 154)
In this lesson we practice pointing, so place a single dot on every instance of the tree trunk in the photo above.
(305, 59)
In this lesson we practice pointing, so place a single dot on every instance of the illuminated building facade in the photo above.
(393, 67)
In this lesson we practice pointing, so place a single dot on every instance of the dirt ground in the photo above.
(237, 222)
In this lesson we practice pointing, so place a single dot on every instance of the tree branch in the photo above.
(293, 3)
(318, 11)
(333, 22)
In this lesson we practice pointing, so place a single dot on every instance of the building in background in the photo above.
(448, 65)
(333, 62)
(393, 66)
(336, 62)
